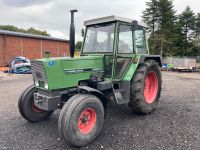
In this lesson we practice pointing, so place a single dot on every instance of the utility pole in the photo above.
(161, 48)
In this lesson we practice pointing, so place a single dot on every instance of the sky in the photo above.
(54, 15)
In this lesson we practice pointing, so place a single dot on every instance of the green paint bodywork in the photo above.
(58, 69)
(62, 72)
(58, 78)
(131, 70)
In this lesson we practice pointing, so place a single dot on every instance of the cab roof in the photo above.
(110, 19)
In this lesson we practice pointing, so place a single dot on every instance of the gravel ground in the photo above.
(174, 125)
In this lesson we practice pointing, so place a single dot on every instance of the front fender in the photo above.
(95, 92)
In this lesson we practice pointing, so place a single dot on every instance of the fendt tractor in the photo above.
(114, 64)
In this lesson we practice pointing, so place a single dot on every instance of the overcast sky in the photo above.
(54, 16)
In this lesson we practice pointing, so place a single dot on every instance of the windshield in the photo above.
(99, 38)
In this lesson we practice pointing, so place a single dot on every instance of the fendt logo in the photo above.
(76, 71)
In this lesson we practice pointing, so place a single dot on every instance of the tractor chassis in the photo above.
(51, 100)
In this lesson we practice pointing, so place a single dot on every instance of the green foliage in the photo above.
(160, 17)
(197, 31)
(172, 34)
(166, 16)
(78, 45)
(31, 30)
(166, 26)
(197, 24)
(187, 22)
(178, 44)
(150, 16)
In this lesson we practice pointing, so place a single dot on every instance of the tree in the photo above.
(187, 22)
(160, 17)
(166, 27)
(197, 31)
(166, 15)
(172, 34)
(178, 40)
(150, 15)
(31, 30)
(78, 45)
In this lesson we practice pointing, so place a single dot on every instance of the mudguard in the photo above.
(140, 59)
(95, 92)
(157, 58)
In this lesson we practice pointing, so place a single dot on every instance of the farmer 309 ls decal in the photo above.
(114, 62)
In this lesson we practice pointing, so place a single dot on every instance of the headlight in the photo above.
(46, 85)
(36, 83)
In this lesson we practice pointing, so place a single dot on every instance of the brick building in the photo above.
(14, 44)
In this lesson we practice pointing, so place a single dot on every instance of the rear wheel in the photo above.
(81, 119)
(146, 87)
(27, 108)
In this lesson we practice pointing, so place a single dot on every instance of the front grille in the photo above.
(38, 71)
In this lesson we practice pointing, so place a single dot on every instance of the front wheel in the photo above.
(27, 108)
(81, 119)
(146, 87)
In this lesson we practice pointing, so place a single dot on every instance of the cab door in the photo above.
(124, 53)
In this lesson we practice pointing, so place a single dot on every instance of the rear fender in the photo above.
(139, 60)
(144, 58)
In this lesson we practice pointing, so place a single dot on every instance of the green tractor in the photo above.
(114, 64)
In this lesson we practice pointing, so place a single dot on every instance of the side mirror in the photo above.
(134, 25)
(82, 32)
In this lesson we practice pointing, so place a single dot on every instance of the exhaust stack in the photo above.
(72, 33)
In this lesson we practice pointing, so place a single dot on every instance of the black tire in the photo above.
(27, 108)
(139, 101)
(69, 119)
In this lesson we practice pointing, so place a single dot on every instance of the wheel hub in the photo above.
(35, 109)
(84, 119)
(87, 121)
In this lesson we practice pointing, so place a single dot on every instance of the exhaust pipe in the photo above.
(72, 33)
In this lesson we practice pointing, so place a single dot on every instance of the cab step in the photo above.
(122, 95)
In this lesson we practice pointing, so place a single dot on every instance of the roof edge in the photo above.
(111, 18)
(21, 34)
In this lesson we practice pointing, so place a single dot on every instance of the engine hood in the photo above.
(63, 72)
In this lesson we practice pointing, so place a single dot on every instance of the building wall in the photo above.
(1, 50)
(12, 48)
(31, 48)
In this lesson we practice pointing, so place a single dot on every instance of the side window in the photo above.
(125, 39)
(140, 42)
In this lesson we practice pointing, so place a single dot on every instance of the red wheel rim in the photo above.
(87, 121)
(35, 109)
(151, 87)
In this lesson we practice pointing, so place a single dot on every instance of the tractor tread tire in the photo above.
(137, 100)
(25, 106)
(67, 123)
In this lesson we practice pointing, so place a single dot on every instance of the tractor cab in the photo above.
(118, 40)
